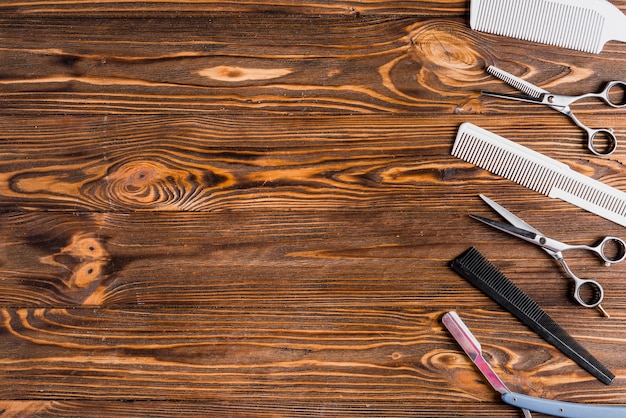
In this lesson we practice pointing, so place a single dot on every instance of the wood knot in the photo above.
(92, 258)
(85, 256)
(88, 272)
(85, 246)
(153, 184)
(448, 57)
(141, 177)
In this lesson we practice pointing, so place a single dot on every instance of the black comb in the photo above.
(476, 269)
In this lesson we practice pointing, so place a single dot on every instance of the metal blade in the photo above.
(513, 81)
(511, 218)
(524, 234)
(517, 97)
(472, 348)
(549, 245)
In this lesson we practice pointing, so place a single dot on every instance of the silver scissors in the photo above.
(610, 249)
(599, 141)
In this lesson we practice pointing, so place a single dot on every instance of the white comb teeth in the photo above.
(522, 85)
(538, 172)
(575, 24)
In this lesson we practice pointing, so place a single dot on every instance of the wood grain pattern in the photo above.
(329, 353)
(256, 258)
(119, 164)
(304, 65)
(180, 8)
(259, 409)
(248, 209)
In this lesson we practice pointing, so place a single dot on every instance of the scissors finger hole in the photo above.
(589, 294)
(616, 94)
(613, 249)
(602, 142)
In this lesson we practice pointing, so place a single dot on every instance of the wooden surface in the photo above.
(248, 209)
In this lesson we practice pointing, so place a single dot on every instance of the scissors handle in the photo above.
(614, 94)
(589, 293)
(599, 141)
(610, 249)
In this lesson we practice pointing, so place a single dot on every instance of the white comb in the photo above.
(584, 25)
(538, 172)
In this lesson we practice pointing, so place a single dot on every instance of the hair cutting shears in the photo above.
(599, 141)
(588, 293)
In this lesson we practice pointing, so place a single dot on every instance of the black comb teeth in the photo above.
(476, 269)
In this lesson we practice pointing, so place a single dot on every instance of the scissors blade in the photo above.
(520, 223)
(549, 245)
(516, 82)
(511, 218)
(473, 349)
(517, 97)
(524, 234)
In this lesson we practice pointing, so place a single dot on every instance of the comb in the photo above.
(538, 172)
(472, 266)
(575, 24)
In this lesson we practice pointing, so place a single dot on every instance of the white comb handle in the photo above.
(615, 28)
(584, 25)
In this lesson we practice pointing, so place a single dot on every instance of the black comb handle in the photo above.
(476, 269)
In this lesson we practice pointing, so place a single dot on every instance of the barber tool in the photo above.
(614, 95)
(538, 172)
(574, 24)
(472, 266)
(473, 349)
(604, 249)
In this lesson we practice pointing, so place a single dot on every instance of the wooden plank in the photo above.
(120, 164)
(203, 407)
(223, 65)
(273, 259)
(340, 357)
(226, 65)
(248, 209)
(213, 164)
(181, 9)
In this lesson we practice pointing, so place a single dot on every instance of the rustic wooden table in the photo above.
(248, 208)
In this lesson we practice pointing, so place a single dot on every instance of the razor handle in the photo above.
(563, 409)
